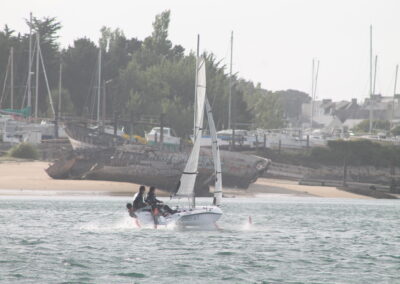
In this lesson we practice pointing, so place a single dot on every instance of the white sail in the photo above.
(188, 178)
(216, 156)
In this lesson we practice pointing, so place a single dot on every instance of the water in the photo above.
(292, 240)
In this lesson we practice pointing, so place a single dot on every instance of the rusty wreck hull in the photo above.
(152, 167)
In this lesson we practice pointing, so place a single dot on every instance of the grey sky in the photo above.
(274, 41)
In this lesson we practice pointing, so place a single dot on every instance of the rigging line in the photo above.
(5, 81)
(27, 78)
(47, 81)
(202, 62)
(93, 92)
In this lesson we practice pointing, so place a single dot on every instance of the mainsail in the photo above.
(188, 178)
(216, 156)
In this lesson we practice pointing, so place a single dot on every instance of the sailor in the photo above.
(157, 204)
(130, 210)
(138, 201)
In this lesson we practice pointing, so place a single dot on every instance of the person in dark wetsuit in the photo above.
(131, 211)
(155, 203)
(139, 199)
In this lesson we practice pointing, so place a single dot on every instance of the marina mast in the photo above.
(314, 80)
(37, 75)
(394, 95)
(376, 67)
(12, 76)
(30, 62)
(99, 87)
(230, 86)
(370, 80)
(312, 93)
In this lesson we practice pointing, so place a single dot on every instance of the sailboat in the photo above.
(193, 215)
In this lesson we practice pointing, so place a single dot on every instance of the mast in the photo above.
(103, 117)
(59, 91)
(30, 63)
(58, 112)
(316, 81)
(376, 67)
(312, 93)
(12, 76)
(195, 87)
(5, 80)
(99, 88)
(230, 85)
(370, 80)
(394, 94)
(37, 75)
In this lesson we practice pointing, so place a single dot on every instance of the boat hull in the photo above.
(185, 217)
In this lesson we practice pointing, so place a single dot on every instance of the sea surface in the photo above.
(71, 239)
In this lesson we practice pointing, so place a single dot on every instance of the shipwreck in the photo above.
(102, 156)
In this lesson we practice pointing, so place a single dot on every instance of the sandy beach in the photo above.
(20, 177)
(26, 178)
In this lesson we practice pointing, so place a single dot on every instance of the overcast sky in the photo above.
(274, 41)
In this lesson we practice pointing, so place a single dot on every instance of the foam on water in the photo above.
(121, 224)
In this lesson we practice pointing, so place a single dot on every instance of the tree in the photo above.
(67, 107)
(79, 72)
(158, 42)
(268, 111)
(381, 125)
(291, 102)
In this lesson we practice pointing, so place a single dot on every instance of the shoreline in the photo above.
(21, 178)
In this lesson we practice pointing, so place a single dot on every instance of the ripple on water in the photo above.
(132, 275)
(73, 263)
(226, 253)
(302, 241)
(31, 242)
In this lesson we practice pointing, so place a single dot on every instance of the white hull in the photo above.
(197, 217)
(168, 140)
(77, 145)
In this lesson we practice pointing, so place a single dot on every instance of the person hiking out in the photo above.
(138, 201)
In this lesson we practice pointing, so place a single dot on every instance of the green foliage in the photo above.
(356, 153)
(291, 102)
(67, 107)
(268, 111)
(24, 151)
(378, 125)
(359, 152)
(142, 78)
(80, 61)
(158, 41)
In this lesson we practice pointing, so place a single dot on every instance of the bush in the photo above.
(25, 151)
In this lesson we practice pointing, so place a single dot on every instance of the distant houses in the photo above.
(345, 115)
